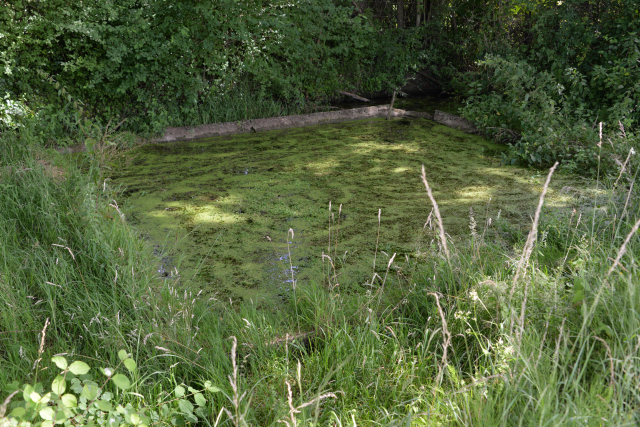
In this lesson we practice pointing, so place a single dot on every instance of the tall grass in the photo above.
(66, 255)
(481, 331)
(240, 103)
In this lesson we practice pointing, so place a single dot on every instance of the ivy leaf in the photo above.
(79, 368)
(121, 381)
(60, 362)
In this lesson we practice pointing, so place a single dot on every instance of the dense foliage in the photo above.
(539, 74)
(158, 63)
(563, 68)
(482, 333)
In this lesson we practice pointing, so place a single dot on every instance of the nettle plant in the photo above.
(76, 397)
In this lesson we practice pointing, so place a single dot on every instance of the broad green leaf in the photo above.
(47, 413)
(191, 418)
(179, 391)
(164, 410)
(145, 419)
(35, 397)
(128, 410)
(11, 387)
(69, 400)
(76, 385)
(79, 368)
(68, 413)
(104, 405)
(114, 421)
(211, 388)
(26, 393)
(47, 423)
(130, 364)
(59, 385)
(60, 362)
(185, 406)
(135, 419)
(121, 381)
(18, 412)
(123, 355)
(90, 391)
(200, 400)
(61, 416)
(178, 421)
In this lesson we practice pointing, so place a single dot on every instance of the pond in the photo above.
(220, 210)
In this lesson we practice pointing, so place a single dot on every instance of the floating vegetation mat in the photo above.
(220, 209)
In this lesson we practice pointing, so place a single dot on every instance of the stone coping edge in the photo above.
(189, 133)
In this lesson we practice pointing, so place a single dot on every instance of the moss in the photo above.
(227, 203)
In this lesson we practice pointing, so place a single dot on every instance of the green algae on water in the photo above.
(223, 207)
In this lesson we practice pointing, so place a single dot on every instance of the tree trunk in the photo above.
(400, 5)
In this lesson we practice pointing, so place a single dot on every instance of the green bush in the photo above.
(159, 63)
(536, 113)
(77, 396)
(576, 65)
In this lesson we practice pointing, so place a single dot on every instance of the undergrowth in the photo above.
(485, 331)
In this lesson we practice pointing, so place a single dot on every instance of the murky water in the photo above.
(222, 208)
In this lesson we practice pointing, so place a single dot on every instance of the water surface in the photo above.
(220, 209)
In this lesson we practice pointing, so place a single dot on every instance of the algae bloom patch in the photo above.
(221, 208)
